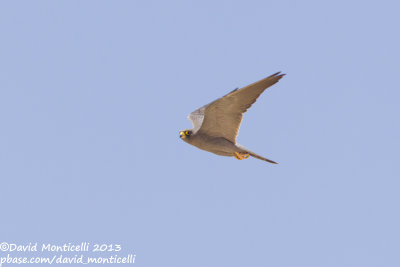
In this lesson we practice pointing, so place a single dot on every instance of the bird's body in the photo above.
(216, 145)
(216, 125)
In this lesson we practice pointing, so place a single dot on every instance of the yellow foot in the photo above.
(241, 155)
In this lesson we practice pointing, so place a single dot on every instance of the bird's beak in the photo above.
(182, 134)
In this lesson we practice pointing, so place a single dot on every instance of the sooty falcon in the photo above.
(216, 125)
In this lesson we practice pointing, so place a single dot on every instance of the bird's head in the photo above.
(184, 134)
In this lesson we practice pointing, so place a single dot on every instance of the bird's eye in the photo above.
(187, 132)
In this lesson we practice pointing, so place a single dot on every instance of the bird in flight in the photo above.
(216, 125)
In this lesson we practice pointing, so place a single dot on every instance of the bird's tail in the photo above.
(256, 155)
(262, 158)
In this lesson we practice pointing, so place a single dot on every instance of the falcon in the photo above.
(216, 125)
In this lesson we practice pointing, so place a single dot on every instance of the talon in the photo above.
(240, 155)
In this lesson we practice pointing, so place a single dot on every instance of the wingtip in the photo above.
(278, 74)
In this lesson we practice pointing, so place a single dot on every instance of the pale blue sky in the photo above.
(93, 94)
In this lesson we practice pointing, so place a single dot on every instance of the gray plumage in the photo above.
(216, 125)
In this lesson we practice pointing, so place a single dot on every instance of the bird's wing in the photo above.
(197, 116)
(222, 117)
